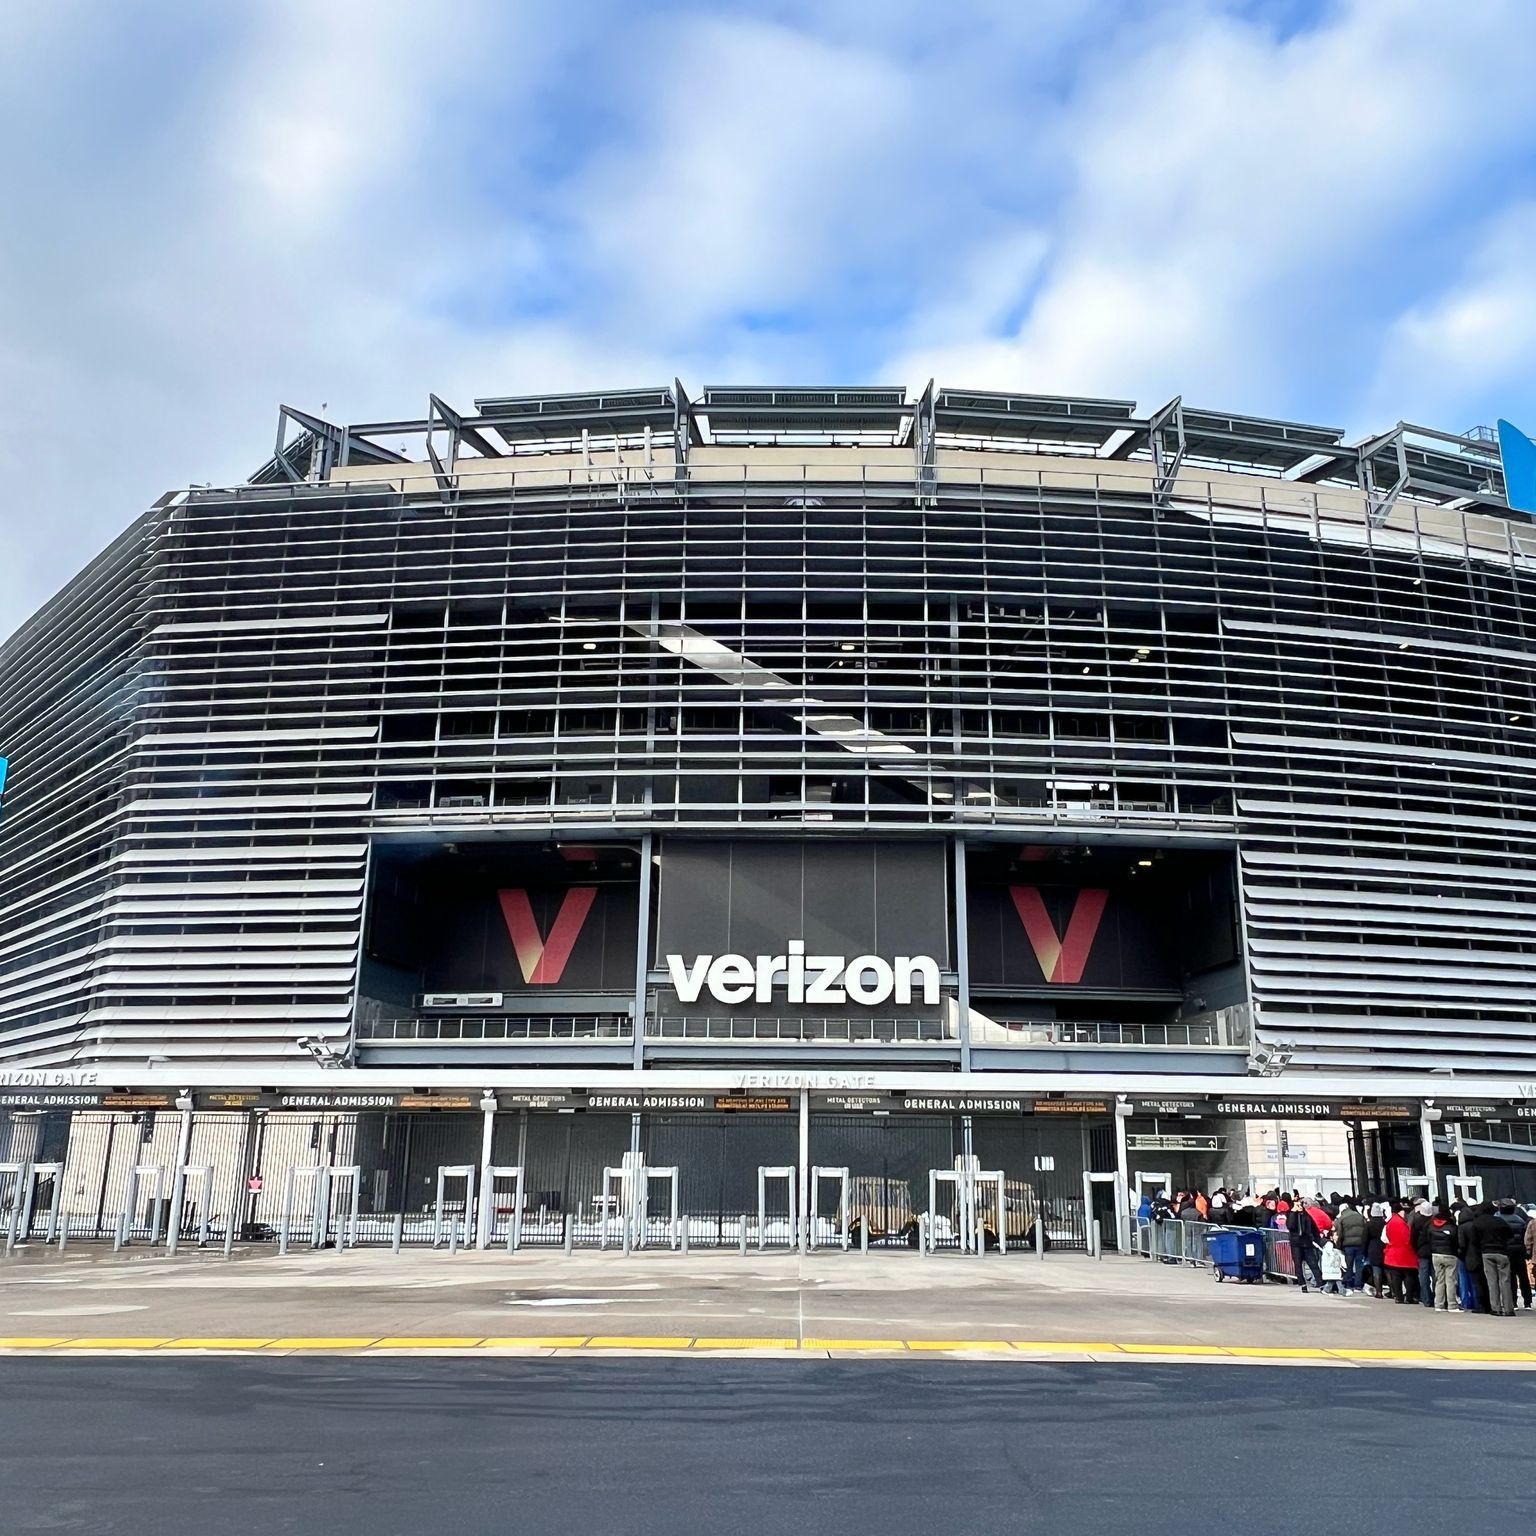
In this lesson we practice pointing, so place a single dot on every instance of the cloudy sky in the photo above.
(1323, 209)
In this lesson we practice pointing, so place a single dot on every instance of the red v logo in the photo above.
(543, 960)
(1064, 958)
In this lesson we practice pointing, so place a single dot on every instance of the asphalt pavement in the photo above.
(215, 1445)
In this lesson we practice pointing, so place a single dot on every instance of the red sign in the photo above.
(542, 959)
(1062, 957)
(253, 1184)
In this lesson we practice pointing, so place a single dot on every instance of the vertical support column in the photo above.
(642, 954)
(962, 961)
(179, 1178)
(1123, 1171)
(485, 1212)
(1459, 1131)
(803, 1174)
(1427, 1118)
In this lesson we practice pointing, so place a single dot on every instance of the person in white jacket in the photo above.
(1331, 1263)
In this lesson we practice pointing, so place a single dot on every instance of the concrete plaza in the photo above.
(1068, 1306)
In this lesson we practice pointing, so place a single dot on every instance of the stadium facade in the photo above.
(793, 751)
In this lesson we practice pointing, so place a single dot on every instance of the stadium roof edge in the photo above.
(1447, 468)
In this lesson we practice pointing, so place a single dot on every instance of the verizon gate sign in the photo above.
(866, 979)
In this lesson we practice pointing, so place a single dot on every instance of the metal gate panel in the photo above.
(1019, 1145)
(888, 1158)
(717, 1157)
(563, 1164)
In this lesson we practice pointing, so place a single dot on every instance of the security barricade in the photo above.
(1175, 1241)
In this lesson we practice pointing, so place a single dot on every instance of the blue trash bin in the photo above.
(1237, 1253)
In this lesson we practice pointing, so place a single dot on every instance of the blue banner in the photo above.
(1517, 452)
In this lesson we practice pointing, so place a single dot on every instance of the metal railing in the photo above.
(1184, 1032)
(845, 1031)
(752, 1029)
(512, 1028)
(1183, 1242)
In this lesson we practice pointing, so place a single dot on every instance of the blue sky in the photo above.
(1323, 209)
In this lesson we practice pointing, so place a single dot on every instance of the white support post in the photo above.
(616, 1179)
(131, 1200)
(807, 1211)
(18, 1173)
(43, 1171)
(352, 1177)
(178, 1177)
(485, 1213)
(841, 1176)
(1427, 1119)
(1091, 1224)
(670, 1175)
(791, 1177)
(446, 1171)
(995, 1181)
(488, 1177)
(1123, 1168)
(956, 1178)
(202, 1173)
(315, 1173)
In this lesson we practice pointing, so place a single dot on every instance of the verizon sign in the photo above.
(800, 978)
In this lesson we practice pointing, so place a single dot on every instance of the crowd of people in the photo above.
(1448, 1255)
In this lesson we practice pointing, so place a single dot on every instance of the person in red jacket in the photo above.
(1402, 1260)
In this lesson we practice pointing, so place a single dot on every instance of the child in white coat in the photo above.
(1331, 1263)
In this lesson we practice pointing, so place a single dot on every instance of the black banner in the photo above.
(855, 1103)
(1481, 1109)
(52, 1098)
(532, 1098)
(966, 1103)
(1173, 1106)
(332, 1101)
(634, 1101)
(1315, 1109)
(1073, 1107)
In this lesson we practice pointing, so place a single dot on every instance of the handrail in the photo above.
(598, 1027)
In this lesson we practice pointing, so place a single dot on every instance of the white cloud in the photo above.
(1470, 347)
(1231, 192)
(322, 201)
(766, 162)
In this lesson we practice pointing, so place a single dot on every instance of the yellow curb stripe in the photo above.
(1255, 1352)
(320, 1343)
(1174, 1349)
(136, 1343)
(1523, 1355)
(1066, 1346)
(1387, 1354)
(427, 1341)
(970, 1345)
(640, 1342)
(1039, 1349)
(840, 1344)
(744, 1344)
(216, 1344)
(535, 1341)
